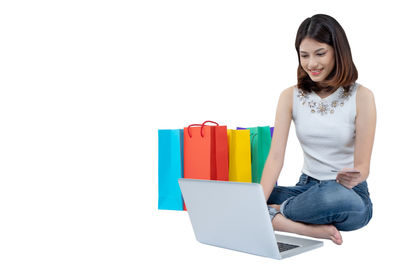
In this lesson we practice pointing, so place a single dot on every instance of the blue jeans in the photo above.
(323, 202)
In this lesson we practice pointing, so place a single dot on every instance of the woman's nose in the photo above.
(312, 64)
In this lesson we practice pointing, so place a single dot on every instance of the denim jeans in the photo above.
(323, 202)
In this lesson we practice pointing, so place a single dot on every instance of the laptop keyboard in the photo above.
(285, 247)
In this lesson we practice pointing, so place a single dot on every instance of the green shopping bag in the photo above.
(260, 138)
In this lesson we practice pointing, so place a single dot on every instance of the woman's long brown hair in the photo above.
(325, 29)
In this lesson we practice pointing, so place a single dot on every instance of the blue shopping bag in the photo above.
(170, 169)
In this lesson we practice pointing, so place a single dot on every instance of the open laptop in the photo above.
(235, 216)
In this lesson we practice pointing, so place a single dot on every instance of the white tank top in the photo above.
(326, 130)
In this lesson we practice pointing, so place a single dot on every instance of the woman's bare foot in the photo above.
(326, 232)
(281, 223)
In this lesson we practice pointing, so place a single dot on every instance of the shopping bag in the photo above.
(239, 156)
(206, 152)
(260, 146)
(170, 169)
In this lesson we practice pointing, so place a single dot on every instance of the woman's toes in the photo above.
(336, 237)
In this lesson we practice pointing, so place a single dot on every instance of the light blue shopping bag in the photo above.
(170, 169)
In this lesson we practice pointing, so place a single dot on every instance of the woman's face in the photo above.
(317, 59)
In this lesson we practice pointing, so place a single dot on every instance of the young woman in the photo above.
(335, 120)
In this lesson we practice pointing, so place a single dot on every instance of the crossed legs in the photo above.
(320, 210)
(280, 223)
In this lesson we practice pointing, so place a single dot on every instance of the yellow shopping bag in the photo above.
(239, 156)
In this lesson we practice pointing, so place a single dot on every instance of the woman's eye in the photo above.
(321, 54)
(304, 56)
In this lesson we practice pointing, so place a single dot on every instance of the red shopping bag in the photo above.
(205, 152)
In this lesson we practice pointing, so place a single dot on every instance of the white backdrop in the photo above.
(84, 86)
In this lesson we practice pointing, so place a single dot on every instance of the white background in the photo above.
(86, 84)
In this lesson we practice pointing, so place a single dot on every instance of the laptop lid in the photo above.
(230, 215)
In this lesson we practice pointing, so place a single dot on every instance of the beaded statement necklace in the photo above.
(323, 107)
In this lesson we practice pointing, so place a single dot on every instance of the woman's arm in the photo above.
(274, 163)
(365, 132)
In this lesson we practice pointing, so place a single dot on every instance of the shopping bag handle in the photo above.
(202, 126)
(210, 122)
(190, 135)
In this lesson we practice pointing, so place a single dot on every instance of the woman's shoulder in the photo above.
(364, 94)
(365, 98)
(364, 91)
(288, 92)
(286, 97)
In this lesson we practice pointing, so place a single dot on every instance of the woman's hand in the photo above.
(349, 177)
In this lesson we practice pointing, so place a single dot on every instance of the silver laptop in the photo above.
(235, 216)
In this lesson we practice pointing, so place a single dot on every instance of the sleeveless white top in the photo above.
(326, 130)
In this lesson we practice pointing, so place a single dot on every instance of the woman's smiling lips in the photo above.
(316, 72)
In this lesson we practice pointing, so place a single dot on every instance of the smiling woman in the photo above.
(325, 60)
(317, 59)
(335, 121)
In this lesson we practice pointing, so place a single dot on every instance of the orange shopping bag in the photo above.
(205, 152)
